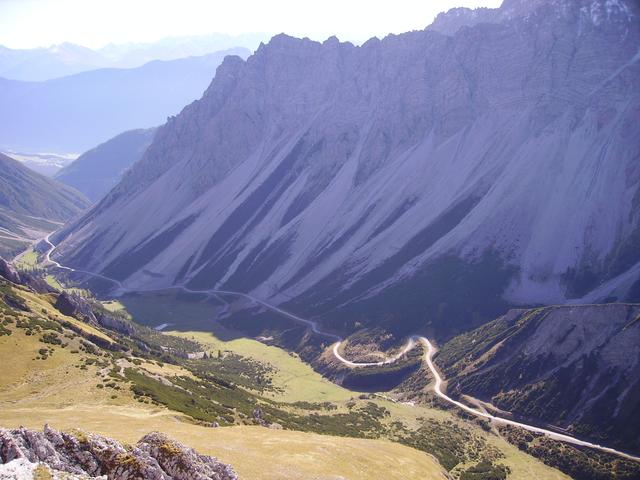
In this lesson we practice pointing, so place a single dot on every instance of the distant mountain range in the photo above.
(75, 113)
(423, 182)
(31, 205)
(66, 59)
(47, 164)
(130, 55)
(97, 171)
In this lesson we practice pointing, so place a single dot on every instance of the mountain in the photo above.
(616, 14)
(423, 182)
(130, 55)
(571, 366)
(75, 113)
(97, 171)
(40, 64)
(47, 164)
(31, 205)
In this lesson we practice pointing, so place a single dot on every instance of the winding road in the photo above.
(412, 342)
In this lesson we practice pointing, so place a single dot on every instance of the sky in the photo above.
(95, 23)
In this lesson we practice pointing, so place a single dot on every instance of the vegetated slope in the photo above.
(424, 181)
(97, 171)
(75, 113)
(32, 205)
(571, 366)
(71, 363)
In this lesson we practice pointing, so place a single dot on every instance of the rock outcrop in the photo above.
(74, 305)
(155, 457)
(33, 282)
(8, 272)
(182, 463)
(26, 279)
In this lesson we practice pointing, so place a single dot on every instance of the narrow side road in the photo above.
(555, 435)
(336, 353)
(48, 259)
(411, 343)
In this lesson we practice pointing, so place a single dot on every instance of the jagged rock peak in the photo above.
(155, 457)
(616, 13)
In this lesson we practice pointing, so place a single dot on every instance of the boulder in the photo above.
(8, 272)
(75, 306)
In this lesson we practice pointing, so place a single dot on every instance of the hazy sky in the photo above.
(94, 23)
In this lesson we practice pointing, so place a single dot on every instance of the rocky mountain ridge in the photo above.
(382, 184)
(615, 13)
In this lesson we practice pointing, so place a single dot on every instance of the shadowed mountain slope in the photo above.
(32, 205)
(97, 171)
(571, 366)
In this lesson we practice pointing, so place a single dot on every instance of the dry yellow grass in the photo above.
(55, 382)
(522, 465)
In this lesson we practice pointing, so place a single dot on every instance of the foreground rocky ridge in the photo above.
(154, 457)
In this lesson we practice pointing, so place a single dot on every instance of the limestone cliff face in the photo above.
(493, 160)
(572, 366)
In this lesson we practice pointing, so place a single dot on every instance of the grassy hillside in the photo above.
(71, 374)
